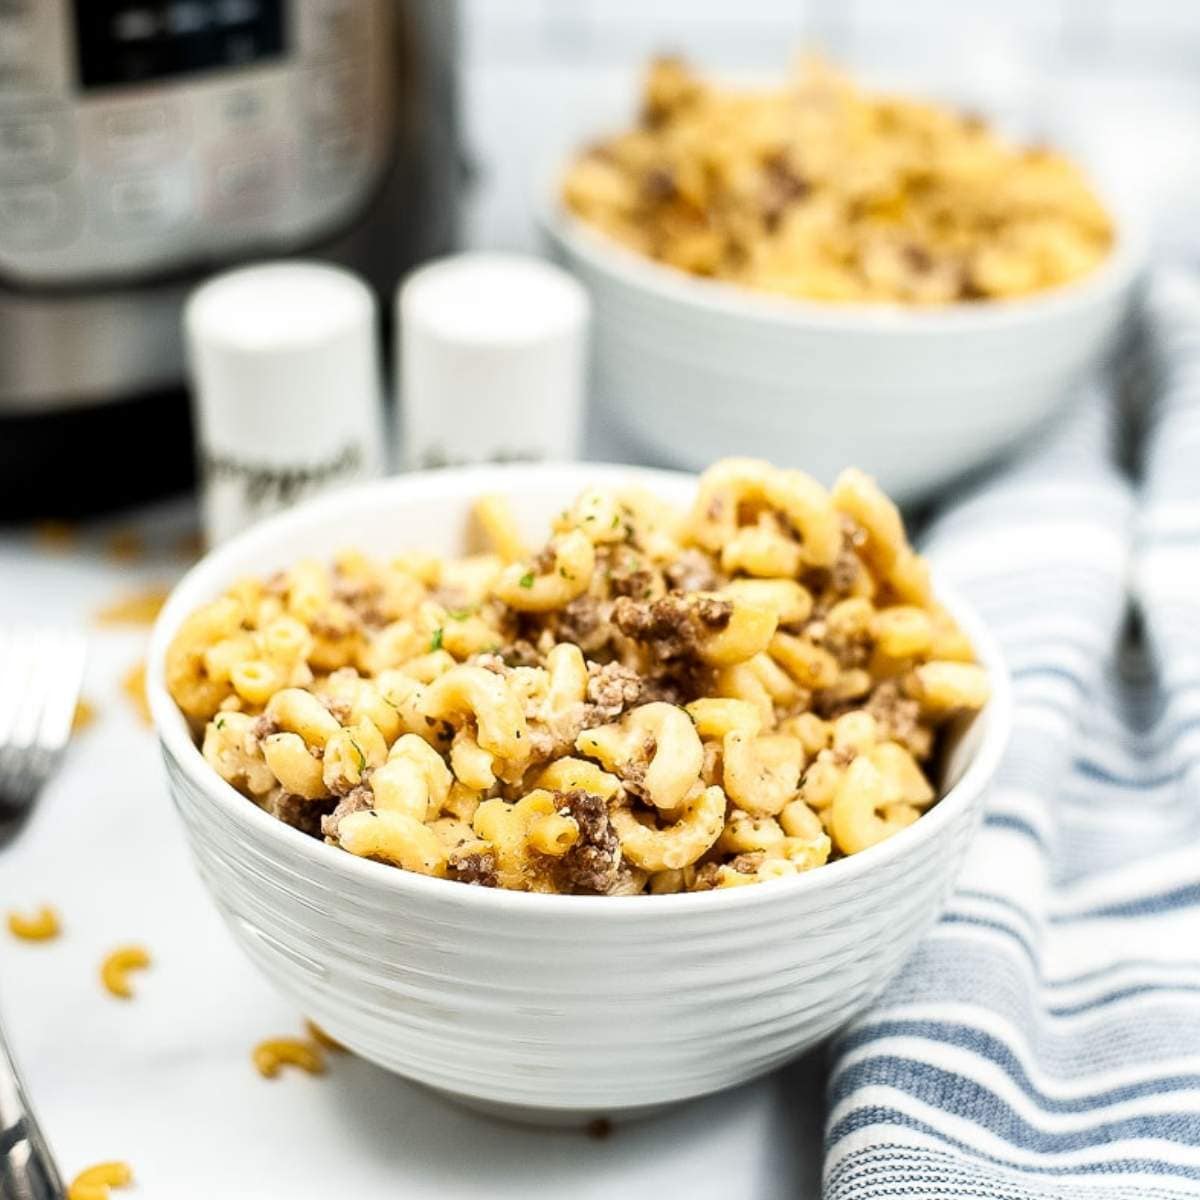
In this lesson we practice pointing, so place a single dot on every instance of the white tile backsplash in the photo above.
(1164, 18)
(935, 16)
(597, 29)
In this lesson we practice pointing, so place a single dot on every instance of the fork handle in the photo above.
(27, 1170)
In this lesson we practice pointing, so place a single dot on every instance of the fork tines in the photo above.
(41, 671)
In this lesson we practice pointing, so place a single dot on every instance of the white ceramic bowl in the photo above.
(551, 1007)
(687, 370)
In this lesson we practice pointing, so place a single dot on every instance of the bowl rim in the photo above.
(592, 246)
(214, 571)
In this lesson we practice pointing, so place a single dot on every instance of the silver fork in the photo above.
(41, 671)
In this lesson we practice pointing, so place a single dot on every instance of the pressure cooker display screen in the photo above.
(130, 41)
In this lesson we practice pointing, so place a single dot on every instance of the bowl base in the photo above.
(594, 1121)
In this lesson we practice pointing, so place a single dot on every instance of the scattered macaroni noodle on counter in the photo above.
(652, 702)
(40, 926)
(94, 1183)
(135, 608)
(323, 1039)
(84, 716)
(269, 1056)
(133, 684)
(819, 189)
(114, 970)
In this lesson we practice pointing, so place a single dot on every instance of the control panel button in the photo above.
(246, 187)
(37, 217)
(136, 133)
(34, 146)
(255, 105)
(142, 205)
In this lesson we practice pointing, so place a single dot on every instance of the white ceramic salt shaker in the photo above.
(492, 352)
(286, 388)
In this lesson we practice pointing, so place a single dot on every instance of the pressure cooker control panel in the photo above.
(143, 136)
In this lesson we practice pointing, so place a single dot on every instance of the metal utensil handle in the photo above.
(27, 1170)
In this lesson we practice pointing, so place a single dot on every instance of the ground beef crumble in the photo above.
(674, 626)
(473, 867)
(706, 878)
(747, 864)
(300, 813)
(850, 651)
(337, 708)
(450, 597)
(895, 713)
(678, 683)
(692, 571)
(364, 596)
(335, 623)
(593, 863)
(845, 571)
(627, 575)
(521, 653)
(264, 727)
(585, 621)
(633, 773)
(358, 799)
(611, 689)
(490, 662)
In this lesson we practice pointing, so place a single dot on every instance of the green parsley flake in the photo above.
(435, 642)
(526, 580)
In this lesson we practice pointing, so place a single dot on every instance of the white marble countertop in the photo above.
(165, 1080)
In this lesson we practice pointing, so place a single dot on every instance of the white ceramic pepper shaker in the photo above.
(492, 352)
(285, 388)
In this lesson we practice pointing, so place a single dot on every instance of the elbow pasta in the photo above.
(270, 1055)
(114, 970)
(654, 702)
(41, 926)
(96, 1182)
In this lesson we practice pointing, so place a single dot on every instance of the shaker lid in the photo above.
(489, 299)
(279, 307)
(282, 350)
(492, 350)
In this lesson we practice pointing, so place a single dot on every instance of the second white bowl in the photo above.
(689, 370)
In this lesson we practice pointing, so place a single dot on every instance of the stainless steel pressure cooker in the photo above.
(147, 143)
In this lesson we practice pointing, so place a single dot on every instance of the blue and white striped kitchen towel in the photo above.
(1045, 1039)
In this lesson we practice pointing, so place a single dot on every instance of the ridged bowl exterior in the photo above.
(549, 1006)
(689, 370)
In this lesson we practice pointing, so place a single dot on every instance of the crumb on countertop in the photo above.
(133, 684)
(85, 716)
(125, 545)
(135, 608)
(57, 537)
